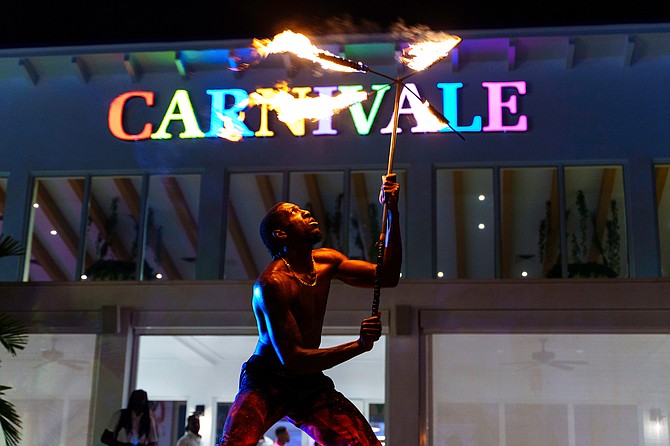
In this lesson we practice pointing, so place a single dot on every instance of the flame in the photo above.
(431, 122)
(298, 44)
(291, 109)
(229, 131)
(419, 56)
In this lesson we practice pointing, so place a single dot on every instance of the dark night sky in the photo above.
(28, 23)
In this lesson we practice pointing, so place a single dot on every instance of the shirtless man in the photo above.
(284, 377)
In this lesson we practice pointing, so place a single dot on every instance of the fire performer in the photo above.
(284, 376)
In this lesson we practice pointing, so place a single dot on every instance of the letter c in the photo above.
(115, 117)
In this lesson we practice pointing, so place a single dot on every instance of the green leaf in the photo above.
(9, 420)
(9, 246)
(13, 334)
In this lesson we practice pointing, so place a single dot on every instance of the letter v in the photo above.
(364, 123)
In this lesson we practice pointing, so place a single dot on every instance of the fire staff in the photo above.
(284, 376)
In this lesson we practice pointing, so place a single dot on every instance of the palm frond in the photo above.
(14, 337)
(9, 420)
(13, 334)
(10, 246)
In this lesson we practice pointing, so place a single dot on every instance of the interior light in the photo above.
(440, 274)
(159, 276)
(481, 226)
(482, 197)
(524, 273)
(84, 277)
(53, 232)
(36, 205)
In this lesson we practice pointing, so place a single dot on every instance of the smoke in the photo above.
(346, 24)
(416, 33)
(343, 24)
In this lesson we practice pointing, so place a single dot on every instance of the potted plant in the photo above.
(108, 267)
(580, 263)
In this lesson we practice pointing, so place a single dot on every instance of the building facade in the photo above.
(535, 230)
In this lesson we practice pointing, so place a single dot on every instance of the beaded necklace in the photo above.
(288, 266)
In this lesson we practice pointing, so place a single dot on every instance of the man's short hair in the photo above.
(272, 221)
(280, 430)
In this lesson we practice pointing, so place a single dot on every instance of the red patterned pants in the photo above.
(310, 402)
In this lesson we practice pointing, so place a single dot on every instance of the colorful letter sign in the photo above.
(228, 107)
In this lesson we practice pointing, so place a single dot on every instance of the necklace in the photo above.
(288, 266)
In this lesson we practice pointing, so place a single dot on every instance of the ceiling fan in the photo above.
(546, 357)
(54, 355)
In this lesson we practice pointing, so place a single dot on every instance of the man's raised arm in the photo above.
(390, 194)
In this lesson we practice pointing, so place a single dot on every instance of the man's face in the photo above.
(300, 223)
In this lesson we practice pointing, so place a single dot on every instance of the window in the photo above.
(595, 222)
(549, 389)
(55, 229)
(529, 211)
(365, 213)
(465, 229)
(323, 194)
(103, 239)
(351, 226)
(112, 233)
(51, 382)
(171, 234)
(520, 227)
(250, 196)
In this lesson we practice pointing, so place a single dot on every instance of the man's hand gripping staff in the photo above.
(388, 196)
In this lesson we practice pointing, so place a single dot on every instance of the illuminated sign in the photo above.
(228, 109)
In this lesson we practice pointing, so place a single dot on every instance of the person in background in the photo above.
(191, 437)
(281, 436)
(133, 425)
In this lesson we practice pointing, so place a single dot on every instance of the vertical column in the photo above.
(571, 424)
(211, 227)
(403, 392)
(419, 244)
(111, 377)
(15, 224)
(643, 244)
(502, 425)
